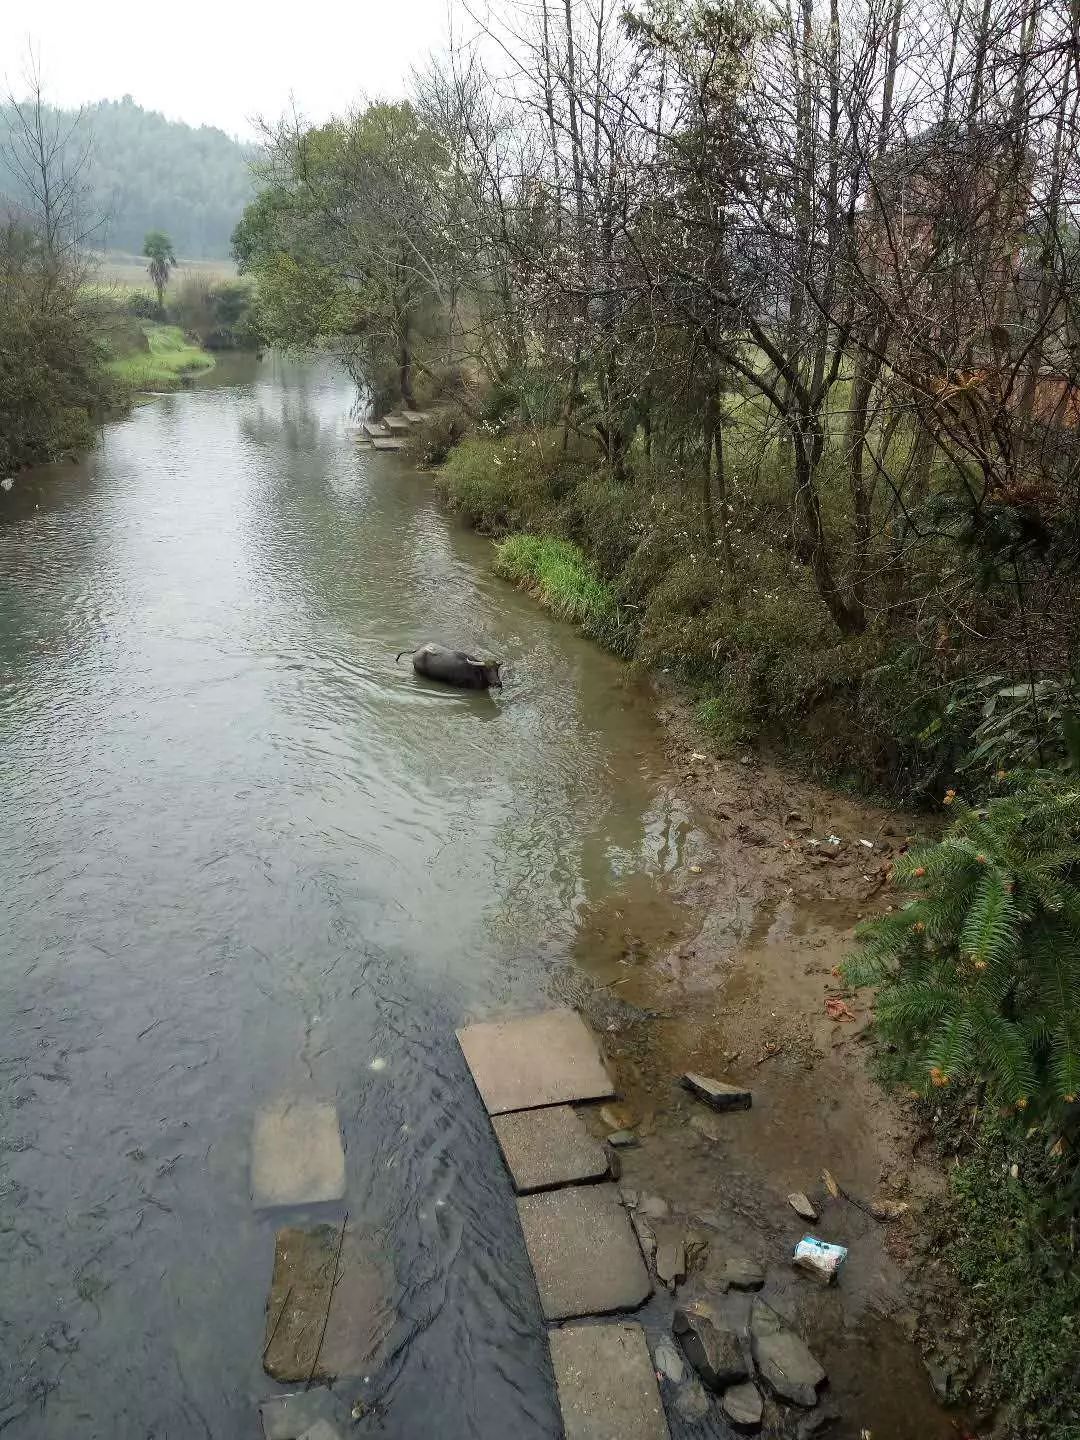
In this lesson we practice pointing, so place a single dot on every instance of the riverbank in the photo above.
(148, 355)
(758, 981)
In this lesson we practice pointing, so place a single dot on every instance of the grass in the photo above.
(165, 363)
(1007, 1230)
(115, 268)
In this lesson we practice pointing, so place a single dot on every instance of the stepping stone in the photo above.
(717, 1093)
(374, 429)
(297, 1155)
(288, 1417)
(742, 1406)
(783, 1362)
(547, 1059)
(327, 1312)
(388, 443)
(396, 424)
(584, 1253)
(548, 1147)
(607, 1385)
(416, 417)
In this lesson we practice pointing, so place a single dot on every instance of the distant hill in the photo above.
(149, 173)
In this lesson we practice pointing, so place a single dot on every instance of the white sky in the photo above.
(221, 63)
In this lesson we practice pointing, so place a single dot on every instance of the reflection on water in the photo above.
(244, 854)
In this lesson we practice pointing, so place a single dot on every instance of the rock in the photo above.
(802, 1206)
(328, 1310)
(548, 1147)
(817, 1422)
(691, 1401)
(738, 1271)
(742, 1406)
(617, 1117)
(297, 1157)
(646, 1235)
(622, 1139)
(654, 1207)
(717, 1093)
(629, 1198)
(614, 1162)
(784, 1362)
(882, 1209)
(671, 1264)
(606, 1383)
(940, 1380)
(712, 1347)
(583, 1252)
(322, 1430)
(287, 1417)
(668, 1361)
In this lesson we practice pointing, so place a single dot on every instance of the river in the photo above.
(245, 855)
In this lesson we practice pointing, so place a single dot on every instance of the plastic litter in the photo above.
(819, 1258)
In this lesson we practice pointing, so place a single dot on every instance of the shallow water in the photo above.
(245, 855)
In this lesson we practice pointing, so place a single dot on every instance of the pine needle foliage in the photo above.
(978, 974)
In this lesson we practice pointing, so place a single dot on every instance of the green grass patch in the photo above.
(558, 574)
(1010, 1238)
(166, 362)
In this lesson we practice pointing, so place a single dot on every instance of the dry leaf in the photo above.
(830, 1184)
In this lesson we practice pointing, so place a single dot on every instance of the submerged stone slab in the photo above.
(547, 1059)
(584, 1253)
(327, 1313)
(387, 442)
(548, 1147)
(297, 1156)
(289, 1417)
(607, 1385)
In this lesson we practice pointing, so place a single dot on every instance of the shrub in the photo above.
(432, 441)
(979, 975)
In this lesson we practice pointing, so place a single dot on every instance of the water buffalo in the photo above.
(455, 667)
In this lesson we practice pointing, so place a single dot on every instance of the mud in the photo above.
(727, 971)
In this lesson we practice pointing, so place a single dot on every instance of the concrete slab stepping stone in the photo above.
(783, 1361)
(387, 442)
(547, 1059)
(712, 1345)
(742, 1406)
(717, 1093)
(328, 1311)
(374, 430)
(297, 1156)
(288, 1417)
(548, 1147)
(584, 1253)
(607, 1385)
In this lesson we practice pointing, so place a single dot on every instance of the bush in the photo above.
(432, 441)
(979, 975)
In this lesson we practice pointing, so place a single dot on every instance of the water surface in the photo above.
(244, 855)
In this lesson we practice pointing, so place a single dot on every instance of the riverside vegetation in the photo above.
(752, 335)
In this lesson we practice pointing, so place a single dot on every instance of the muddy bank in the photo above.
(731, 969)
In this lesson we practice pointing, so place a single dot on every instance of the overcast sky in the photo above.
(220, 62)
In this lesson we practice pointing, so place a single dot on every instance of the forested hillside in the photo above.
(147, 173)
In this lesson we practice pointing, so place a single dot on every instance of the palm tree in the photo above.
(158, 249)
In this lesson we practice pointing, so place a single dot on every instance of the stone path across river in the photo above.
(583, 1249)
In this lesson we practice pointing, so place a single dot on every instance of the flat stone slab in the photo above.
(296, 1156)
(548, 1147)
(396, 424)
(373, 429)
(547, 1059)
(584, 1253)
(388, 442)
(327, 1313)
(416, 417)
(607, 1385)
(288, 1417)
